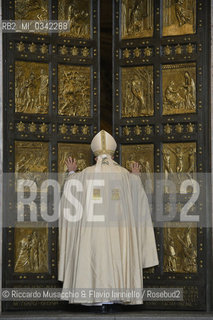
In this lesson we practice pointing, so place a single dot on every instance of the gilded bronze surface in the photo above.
(144, 155)
(180, 247)
(78, 14)
(179, 88)
(81, 152)
(179, 17)
(137, 19)
(179, 162)
(31, 160)
(31, 248)
(31, 10)
(137, 91)
(31, 87)
(74, 91)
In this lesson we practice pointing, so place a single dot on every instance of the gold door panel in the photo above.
(137, 91)
(31, 87)
(137, 19)
(31, 10)
(80, 152)
(31, 248)
(144, 155)
(31, 160)
(78, 15)
(179, 17)
(74, 91)
(179, 88)
(179, 162)
(180, 247)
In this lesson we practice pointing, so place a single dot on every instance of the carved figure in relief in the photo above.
(74, 93)
(189, 252)
(22, 262)
(137, 18)
(183, 16)
(68, 92)
(179, 86)
(77, 13)
(31, 87)
(190, 91)
(173, 97)
(146, 168)
(179, 17)
(31, 166)
(137, 91)
(167, 167)
(191, 160)
(81, 162)
(130, 162)
(179, 156)
(170, 253)
(179, 161)
(19, 90)
(42, 253)
(31, 253)
(29, 97)
(43, 90)
(129, 104)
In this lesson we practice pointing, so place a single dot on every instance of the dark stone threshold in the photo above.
(96, 315)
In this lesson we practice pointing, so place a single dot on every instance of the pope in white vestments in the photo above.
(106, 235)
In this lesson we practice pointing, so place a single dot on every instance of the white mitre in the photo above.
(103, 143)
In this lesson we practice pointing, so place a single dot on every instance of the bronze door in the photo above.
(161, 119)
(51, 110)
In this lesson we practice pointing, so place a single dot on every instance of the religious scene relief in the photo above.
(31, 249)
(81, 152)
(77, 13)
(74, 91)
(180, 247)
(137, 91)
(179, 163)
(144, 155)
(179, 17)
(31, 10)
(137, 19)
(31, 161)
(179, 88)
(31, 87)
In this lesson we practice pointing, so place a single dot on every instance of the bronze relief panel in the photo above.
(179, 162)
(31, 248)
(144, 155)
(31, 160)
(180, 247)
(137, 19)
(74, 92)
(81, 152)
(137, 91)
(31, 10)
(78, 14)
(179, 17)
(31, 87)
(179, 88)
